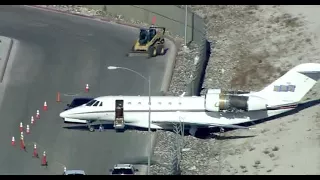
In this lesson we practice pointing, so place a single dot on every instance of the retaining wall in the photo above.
(173, 18)
(169, 16)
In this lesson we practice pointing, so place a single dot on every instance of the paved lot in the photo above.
(55, 52)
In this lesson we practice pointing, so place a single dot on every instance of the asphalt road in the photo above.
(55, 52)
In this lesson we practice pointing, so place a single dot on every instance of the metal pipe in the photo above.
(185, 26)
(149, 124)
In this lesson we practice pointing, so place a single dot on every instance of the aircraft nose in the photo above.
(64, 114)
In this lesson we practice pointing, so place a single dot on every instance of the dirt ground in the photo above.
(254, 45)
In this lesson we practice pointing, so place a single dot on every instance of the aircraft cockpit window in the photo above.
(91, 102)
(96, 103)
(100, 104)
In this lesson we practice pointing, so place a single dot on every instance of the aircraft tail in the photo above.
(292, 86)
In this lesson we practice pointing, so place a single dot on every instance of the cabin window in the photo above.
(179, 103)
(139, 102)
(129, 102)
(91, 102)
(170, 103)
(96, 103)
(159, 103)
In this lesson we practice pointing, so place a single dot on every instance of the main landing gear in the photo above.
(91, 128)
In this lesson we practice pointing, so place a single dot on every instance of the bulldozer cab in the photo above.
(152, 33)
(146, 35)
(143, 37)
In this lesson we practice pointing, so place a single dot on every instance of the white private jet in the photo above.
(216, 109)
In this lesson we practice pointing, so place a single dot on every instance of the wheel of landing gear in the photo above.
(91, 129)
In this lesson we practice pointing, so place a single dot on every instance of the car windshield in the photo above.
(122, 171)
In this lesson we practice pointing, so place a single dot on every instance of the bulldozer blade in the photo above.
(134, 54)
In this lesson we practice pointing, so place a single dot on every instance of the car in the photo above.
(74, 172)
(75, 103)
(123, 169)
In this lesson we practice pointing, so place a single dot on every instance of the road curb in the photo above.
(170, 62)
(6, 59)
(167, 76)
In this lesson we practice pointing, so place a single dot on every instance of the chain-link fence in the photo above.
(176, 149)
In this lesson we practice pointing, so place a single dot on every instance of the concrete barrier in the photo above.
(5, 49)
(194, 87)
(171, 61)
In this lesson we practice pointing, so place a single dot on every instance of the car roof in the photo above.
(74, 172)
(126, 166)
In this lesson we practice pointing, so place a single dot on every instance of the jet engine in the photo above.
(227, 102)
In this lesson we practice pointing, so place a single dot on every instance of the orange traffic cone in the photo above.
(38, 114)
(13, 141)
(32, 120)
(58, 97)
(35, 152)
(45, 106)
(21, 127)
(44, 161)
(28, 129)
(87, 88)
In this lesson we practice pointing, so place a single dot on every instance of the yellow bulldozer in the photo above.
(150, 42)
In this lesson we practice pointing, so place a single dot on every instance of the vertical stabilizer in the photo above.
(292, 86)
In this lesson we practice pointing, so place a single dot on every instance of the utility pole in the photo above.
(149, 112)
(185, 28)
